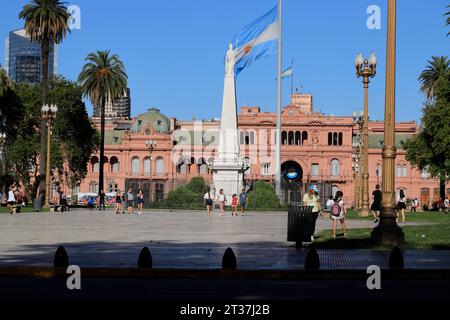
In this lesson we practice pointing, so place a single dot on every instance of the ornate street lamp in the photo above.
(365, 68)
(151, 145)
(49, 114)
(388, 232)
(358, 119)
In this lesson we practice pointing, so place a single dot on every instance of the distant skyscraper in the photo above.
(23, 58)
(120, 108)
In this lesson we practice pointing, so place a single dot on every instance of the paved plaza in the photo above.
(178, 239)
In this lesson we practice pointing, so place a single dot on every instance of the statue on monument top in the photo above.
(230, 62)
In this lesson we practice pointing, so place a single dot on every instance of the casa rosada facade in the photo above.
(156, 153)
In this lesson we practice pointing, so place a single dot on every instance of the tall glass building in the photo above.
(23, 58)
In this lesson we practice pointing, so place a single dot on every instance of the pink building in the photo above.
(163, 152)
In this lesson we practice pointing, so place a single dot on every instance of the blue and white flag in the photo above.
(257, 40)
(287, 73)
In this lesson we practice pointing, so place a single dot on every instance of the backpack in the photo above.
(335, 209)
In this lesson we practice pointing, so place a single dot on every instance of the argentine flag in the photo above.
(257, 40)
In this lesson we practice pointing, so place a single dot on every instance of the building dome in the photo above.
(152, 118)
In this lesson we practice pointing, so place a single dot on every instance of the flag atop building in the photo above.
(256, 40)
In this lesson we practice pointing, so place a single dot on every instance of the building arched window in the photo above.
(183, 165)
(247, 139)
(340, 138)
(284, 138)
(135, 166)
(298, 140)
(335, 168)
(330, 138)
(399, 170)
(147, 165)
(252, 137)
(291, 138)
(335, 139)
(266, 169)
(404, 170)
(95, 164)
(114, 162)
(159, 166)
(304, 137)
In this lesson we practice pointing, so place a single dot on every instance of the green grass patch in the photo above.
(23, 210)
(433, 234)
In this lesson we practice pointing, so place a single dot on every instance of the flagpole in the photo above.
(278, 130)
(292, 77)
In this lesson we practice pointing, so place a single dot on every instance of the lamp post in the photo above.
(358, 119)
(151, 145)
(49, 114)
(2, 158)
(365, 68)
(388, 232)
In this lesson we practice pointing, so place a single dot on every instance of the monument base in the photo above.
(388, 232)
(229, 177)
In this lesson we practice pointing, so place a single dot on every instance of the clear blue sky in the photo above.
(173, 51)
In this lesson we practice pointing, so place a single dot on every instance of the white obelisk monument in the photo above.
(228, 167)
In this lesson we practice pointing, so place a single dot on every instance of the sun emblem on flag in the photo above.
(247, 49)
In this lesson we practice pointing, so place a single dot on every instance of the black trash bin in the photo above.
(301, 223)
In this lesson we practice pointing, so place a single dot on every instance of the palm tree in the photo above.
(448, 17)
(46, 22)
(103, 79)
(437, 69)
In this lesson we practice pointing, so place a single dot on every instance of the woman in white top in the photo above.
(11, 200)
(338, 213)
(208, 202)
(401, 205)
(221, 199)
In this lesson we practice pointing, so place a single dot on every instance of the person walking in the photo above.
(401, 204)
(11, 200)
(375, 208)
(208, 202)
(140, 201)
(338, 213)
(312, 199)
(414, 205)
(118, 199)
(101, 200)
(234, 201)
(221, 199)
(122, 203)
(242, 200)
(130, 200)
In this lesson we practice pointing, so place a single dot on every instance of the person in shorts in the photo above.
(130, 200)
(337, 212)
(375, 208)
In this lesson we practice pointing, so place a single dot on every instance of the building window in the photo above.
(284, 138)
(135, 166)
(114, 164)
(291, 138)
(378, 170)
(304, 137)
(401, 170)
(266, 169)
(247, 164)
(335, 168)
(330, 138)
(93, 187)
(340, 138)
(159, 166)
(424, 174)
(147, 164)
(95, 165)
(252, 137)
(404, 170)
(241, 137)
(315, 170)
(298, 138)
(335, 139)
(203, 169)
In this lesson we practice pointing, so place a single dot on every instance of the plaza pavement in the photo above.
(179, 239)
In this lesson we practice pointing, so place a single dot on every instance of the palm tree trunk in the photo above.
(102, 146)
(45, 51)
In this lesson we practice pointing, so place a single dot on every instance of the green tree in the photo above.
(429, 150)
(46, 22)
(188, 196)
(436, 71)
(103, 79)
(73, 136)
(263, 196)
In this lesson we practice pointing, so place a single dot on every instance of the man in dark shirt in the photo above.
(101, 202)
(376, 205)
